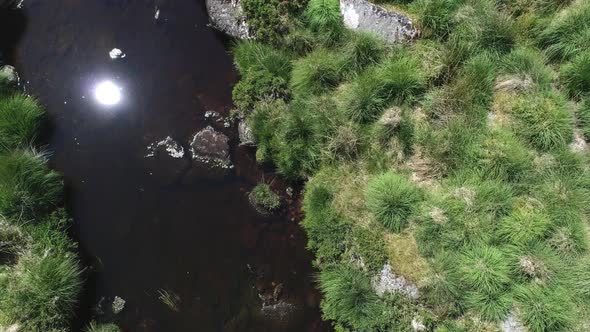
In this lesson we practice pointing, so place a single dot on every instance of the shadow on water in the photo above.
(154, 226)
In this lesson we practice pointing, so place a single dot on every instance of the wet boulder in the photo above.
(367, 17)
(211, 147)
(9, 78)
(227, 16)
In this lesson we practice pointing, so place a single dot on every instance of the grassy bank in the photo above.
(446, 162)
(41, 277)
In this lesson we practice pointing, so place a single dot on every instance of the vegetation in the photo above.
(448, 158)
(263, 197)
(40, 274)
(94, 327)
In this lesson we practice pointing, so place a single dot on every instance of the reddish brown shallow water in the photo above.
(141, 227)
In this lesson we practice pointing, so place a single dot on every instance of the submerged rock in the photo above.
(228, 17)
(211, 147)
(389, 282)
(364, 16)
(166, 146)
(9, 74)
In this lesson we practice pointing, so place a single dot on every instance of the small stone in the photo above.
(118, 305)
(9, 74)
(417, 324)
(510, 84)
(438, 216)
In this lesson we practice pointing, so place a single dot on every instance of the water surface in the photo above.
(146, 225)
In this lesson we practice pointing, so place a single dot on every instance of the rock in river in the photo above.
(227, 16)
(365, 16)
(211, 147)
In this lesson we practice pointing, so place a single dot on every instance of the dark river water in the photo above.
(149, 225)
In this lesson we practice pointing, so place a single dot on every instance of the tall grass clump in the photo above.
(501, 155)
(568, 33)
(326, 231)
(94, 327)
(485, 272)
(543, 120)
(265, 74)
(28, 188)
(435, 17)
(528, 62)
(485, 27)
(397, 80)
(348, 295)
(40, 292)
(575, 75)
(544, 309)
(20, 117)
(360, 51)
(524, 226)
(318, 72)
(584, 118)
(255, 56)
(325, 19)
(392, 199)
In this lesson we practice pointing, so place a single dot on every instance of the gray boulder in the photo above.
(211, 147)
(364, 16)
(227, 16)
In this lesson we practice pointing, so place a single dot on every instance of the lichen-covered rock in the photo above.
(512, 323)
(365, 16)
(389, 282)
(9, 74)
(227, 16)
(579, 145)
(211, 147)
(166, 146)
(245, 134)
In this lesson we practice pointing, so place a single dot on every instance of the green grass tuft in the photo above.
(265, 198)
(28, 188)
(568, 33)
(254, 56)
(362, 50)
(20, 117)
(575, 75)
(543, 120)
(41, 291)
(528, 62)
(484, 269)
(392, 199)
(543, 309)
(319, 71)
(525, 225)
(348, 295)
(325, 19)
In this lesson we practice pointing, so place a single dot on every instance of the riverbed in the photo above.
(150, 226)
